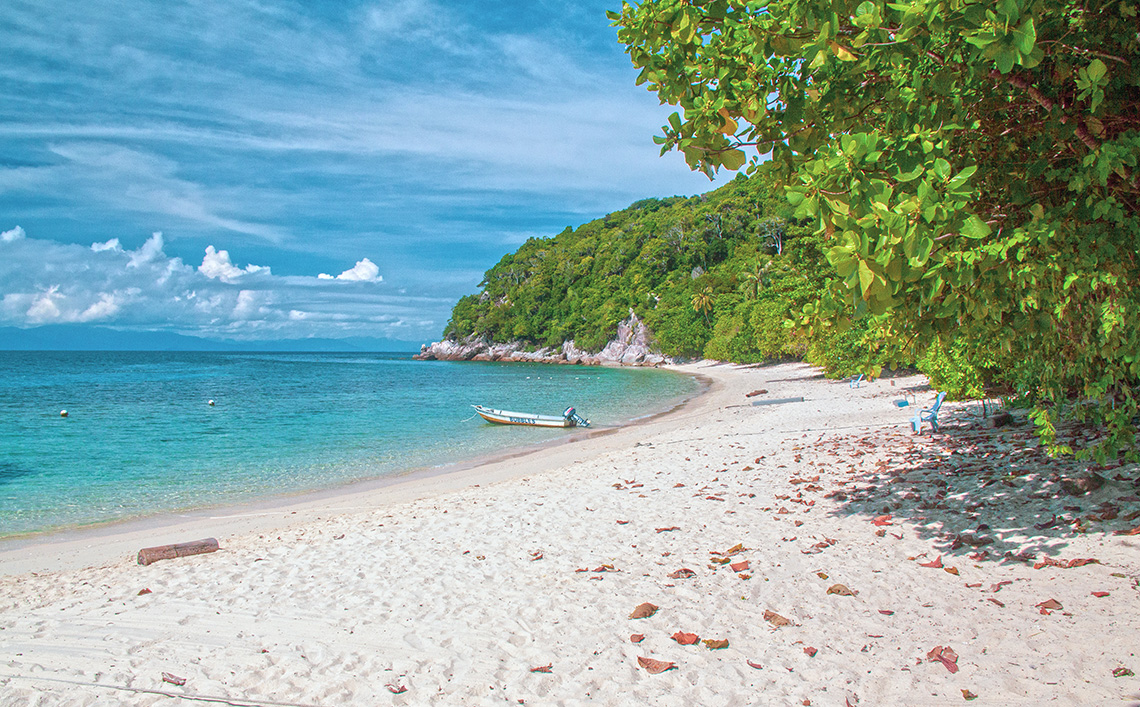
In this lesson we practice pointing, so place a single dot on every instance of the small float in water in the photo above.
(569, 418)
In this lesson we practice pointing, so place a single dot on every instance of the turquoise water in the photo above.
(140, 438)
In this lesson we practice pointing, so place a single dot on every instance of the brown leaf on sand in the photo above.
(952, 570)
(881, 520)
(715, 644)
(886, 612)
(543, 668)
(143, 591)
(683, 573)
(396, 689)
(623, 522)
(754, 666)
(173, 679)
(739, 566)
(667, 530)
(821, 575)
(685, 639)
(967, 695)
(1081, 562)
(936, 563)
(994, 601)
(636, 637)
(654, 666)
(841, 590)
(810, 651)
(1134, 531)
(946, 656)
(775, 619)
(643, 611)
(1098, 595)
(738, 547)
(1049, 604)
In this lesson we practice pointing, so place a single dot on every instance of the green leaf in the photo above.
(975, 228)
(1096, 70)
(733, 159)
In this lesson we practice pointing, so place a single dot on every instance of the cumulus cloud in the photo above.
(364, 271)
(217, 265)
(14, 234)
(45, 282)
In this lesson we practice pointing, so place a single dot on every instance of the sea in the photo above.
(141, 437)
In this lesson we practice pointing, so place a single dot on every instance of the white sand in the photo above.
(456, 591)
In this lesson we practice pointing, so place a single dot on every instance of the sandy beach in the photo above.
(812, 552)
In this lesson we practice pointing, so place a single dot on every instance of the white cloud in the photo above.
(13, 234)
(364, 271)
(44, 282)
(216, 265)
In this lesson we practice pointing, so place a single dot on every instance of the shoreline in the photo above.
(824, 552)
(105, 542)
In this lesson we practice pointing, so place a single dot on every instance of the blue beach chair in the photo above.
(856, 380)
(929, 414)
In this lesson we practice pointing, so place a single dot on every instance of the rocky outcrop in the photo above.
(630, 347)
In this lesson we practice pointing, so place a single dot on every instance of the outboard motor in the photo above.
(575, 418)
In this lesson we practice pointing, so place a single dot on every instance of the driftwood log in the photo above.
(777, 401)
(148, 555)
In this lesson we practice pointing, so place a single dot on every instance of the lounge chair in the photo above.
(856, 380)
(929, 414)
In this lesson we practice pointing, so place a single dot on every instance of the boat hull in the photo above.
(506, 417)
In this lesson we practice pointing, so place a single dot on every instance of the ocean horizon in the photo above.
(141, 437)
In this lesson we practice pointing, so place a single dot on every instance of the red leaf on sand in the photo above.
(636, 637)
(1134, 531)
(643, 611)
(144, 591)
(810, 651)
(1082, 561)
(543, 668)
(685, 639)
(755, 666)
(623, 522)
(653, 666)
(881, 520)
(683, 573)
(396, 689)
(995, 601)
(739, 566)
(886, 612)
(946, 656)
(1051, 604)
(936, 563)
(1098, 595)
(666, 530)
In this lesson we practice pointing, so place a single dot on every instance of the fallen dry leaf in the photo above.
(143, 591)
(995, 601)
(841, 590)
(543, 668)
(1051, 604)
(775, 619)
(755, 666)
(654, 666)
(821, 575)
(623, 522)
(810, 651)
(936, 563)
(1098, 595)
(1134, 531)
(1122, 672)
(967, 695)
(636, 637)
(951, 570)
(685, 639)
(396, 689)
(643, 611)
(683, 573)
(715, 644)
(173, 679)
(881, 520)
(886, 612)
(669, 529)
(739, 566)
(946, 656)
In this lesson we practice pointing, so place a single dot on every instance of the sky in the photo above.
(261, 170)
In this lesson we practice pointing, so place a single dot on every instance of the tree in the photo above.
(973, 166)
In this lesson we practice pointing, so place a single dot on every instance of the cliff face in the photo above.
(630, 347)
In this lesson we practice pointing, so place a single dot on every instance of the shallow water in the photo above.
(140, 437)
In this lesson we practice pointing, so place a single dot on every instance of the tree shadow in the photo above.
(990, 493)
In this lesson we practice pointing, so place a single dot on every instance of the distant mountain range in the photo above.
(65, 337)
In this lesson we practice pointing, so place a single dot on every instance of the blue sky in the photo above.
(271, 170)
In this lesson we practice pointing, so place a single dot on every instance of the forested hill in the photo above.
(713, 275)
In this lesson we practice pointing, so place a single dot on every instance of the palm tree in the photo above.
(756, 279)
(703, 302)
